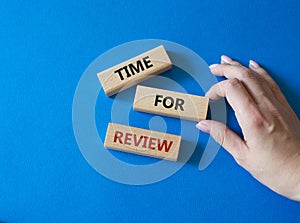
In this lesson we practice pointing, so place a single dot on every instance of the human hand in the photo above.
(270, 149)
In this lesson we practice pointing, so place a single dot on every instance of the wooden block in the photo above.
(142, 141)
(170, 103)
(134, 70)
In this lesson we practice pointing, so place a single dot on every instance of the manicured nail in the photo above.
(203, 127)
(253, 64)
(213, 66)
(226, 59)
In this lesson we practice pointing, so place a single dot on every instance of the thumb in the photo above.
(225, 137)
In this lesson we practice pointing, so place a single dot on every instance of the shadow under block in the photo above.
(134, 70)
(142, 141)
(170, 103)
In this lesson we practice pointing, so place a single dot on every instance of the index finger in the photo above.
(254, 83)
(245, 108)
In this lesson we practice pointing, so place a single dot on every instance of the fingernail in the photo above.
(226, 59)
(213, 66)
(253, 64)
(203, 126)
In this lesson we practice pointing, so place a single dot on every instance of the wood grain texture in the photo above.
(134, 70)
(142, 141)
(170, 103)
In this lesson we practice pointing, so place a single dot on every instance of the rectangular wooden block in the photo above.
(170, 103)
(142, 141)
(134, 70)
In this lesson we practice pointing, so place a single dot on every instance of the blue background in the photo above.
(46, 46)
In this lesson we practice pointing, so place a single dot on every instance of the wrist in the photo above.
(293, 191)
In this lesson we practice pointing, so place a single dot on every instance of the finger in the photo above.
(254, 83)
(231, 71)
(227, 60)
(247, 111)
(235, 92)
(225, 137)
(273, 86)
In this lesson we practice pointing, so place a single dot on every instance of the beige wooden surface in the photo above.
(170, 103)
(142, 141)
(134, 70)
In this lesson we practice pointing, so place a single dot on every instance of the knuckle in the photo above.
(263, 95)
(275, 111)
(259, 122)
(274, 115)
(241, 161)
(275, 88)
(249, 101)
(247, 74)
(234, 82)
(219, 134)
(219, 137)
